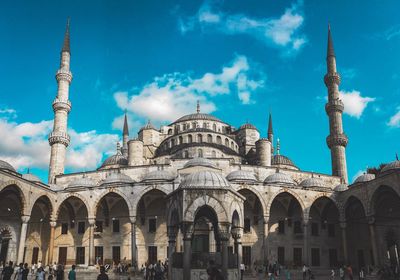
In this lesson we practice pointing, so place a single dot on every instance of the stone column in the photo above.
(237, 235)
(265, 240)
(51, 242)
(133, 243)
(344, 241)
(22, 238)
(371, 224)
(224, 233)
(92, 222)
(187, 231)
(306, 239)
(172, 233)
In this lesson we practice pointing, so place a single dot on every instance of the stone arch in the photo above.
(78, 196)
(191, 210)
(257, 194)
(139, 196)
(235, 207)
(15, 184)
(348, 201)
(317, 197)
(370, 207)
(51, 204)
(106, 192)
(295, 195)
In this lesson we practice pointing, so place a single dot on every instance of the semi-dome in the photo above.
(158, 175)
(6, 166)
(391, 166)
(247, 126)
(204, 180)
(313, 182)
(199, 161)
(279, 178)
(31, 177)
(241, 175)
(282, 160)
(341, 188)
(365, 178)
(116, 160)
(84, 181)
(117, 178)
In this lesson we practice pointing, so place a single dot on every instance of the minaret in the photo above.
(59, 138)
(271, 133)
(336, 140)
(125, 138)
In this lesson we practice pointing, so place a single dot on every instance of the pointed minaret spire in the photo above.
(337, 139)
(125, 137)
(271, 133)
(66, 47)
(59, 138)
(198, 107)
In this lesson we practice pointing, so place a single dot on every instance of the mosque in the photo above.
(196, 190)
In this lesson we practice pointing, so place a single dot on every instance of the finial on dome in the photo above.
(66, 45)
(397, 156)
(198, 106)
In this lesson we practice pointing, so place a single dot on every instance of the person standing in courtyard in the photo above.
(25, 272)
(72, 273)
(102, 275)
(241, 271)
(18, 273)
(40, 274)
(7, 271)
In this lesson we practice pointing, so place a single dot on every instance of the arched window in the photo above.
(180, 142)
(199, 138)
(194, 125)
(232, 146)
(172, 142)
(214, 127)
(226, 142)
(185, 154)
(200, 153)
(209, 138)
(190, 138)
(213, 154)
(205, 125)
(219, 140)
(170, 131)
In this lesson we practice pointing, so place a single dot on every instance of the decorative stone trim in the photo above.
(337, 140)
(63, 75)
(59, 137)
(332, 78)
(334, 106)
(59, 104)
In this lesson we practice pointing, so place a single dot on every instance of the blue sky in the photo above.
(242, 59)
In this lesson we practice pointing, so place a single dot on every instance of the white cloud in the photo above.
(395, 119)
(26, 145)
(170, 96)
(354, 103)
(281, 31)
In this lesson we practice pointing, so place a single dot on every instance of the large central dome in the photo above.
(197, 116)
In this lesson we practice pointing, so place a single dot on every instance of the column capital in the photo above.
(53, 224)
(224, 231)
(237, 233)
(343, 224)
(92, 221)
(371, 220)
(25, 219)
(132, 219)
(187, 230)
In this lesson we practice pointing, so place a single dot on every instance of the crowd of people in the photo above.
(155, 271)
(36, 271)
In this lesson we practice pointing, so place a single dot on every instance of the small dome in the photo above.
(31, 177)
(117, 178)
(199, 161)
(241, 175)
(247, 126)
(341, 188)
(365, 178)
(198, 116)
(5, 165)
(279, 178)
(158, 175)
(391, 166)
(117, 159)
(82, 182)
(204, 180)
(313, 183)
(282, 160)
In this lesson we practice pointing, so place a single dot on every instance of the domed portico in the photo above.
(209, 215)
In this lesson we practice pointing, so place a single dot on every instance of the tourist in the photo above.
(350, 272)
(54, 267)
(33, 269)
(51, 273)
(72, 273)
(102, 275)
(341, 273)
(143, 270)
(40, 274)
(304, 272)
(60, 272)
(158, 271)
(242, 268)
(18, 272)
(8, 271)
(39, 265)
(213, 271)
(362, 275)
(25, 272)
(332, 274)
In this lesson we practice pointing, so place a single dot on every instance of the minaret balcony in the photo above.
(64, 75)
(332, 78)
(59, 104)
(335, 105)
(337, 140)
(59, 137)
